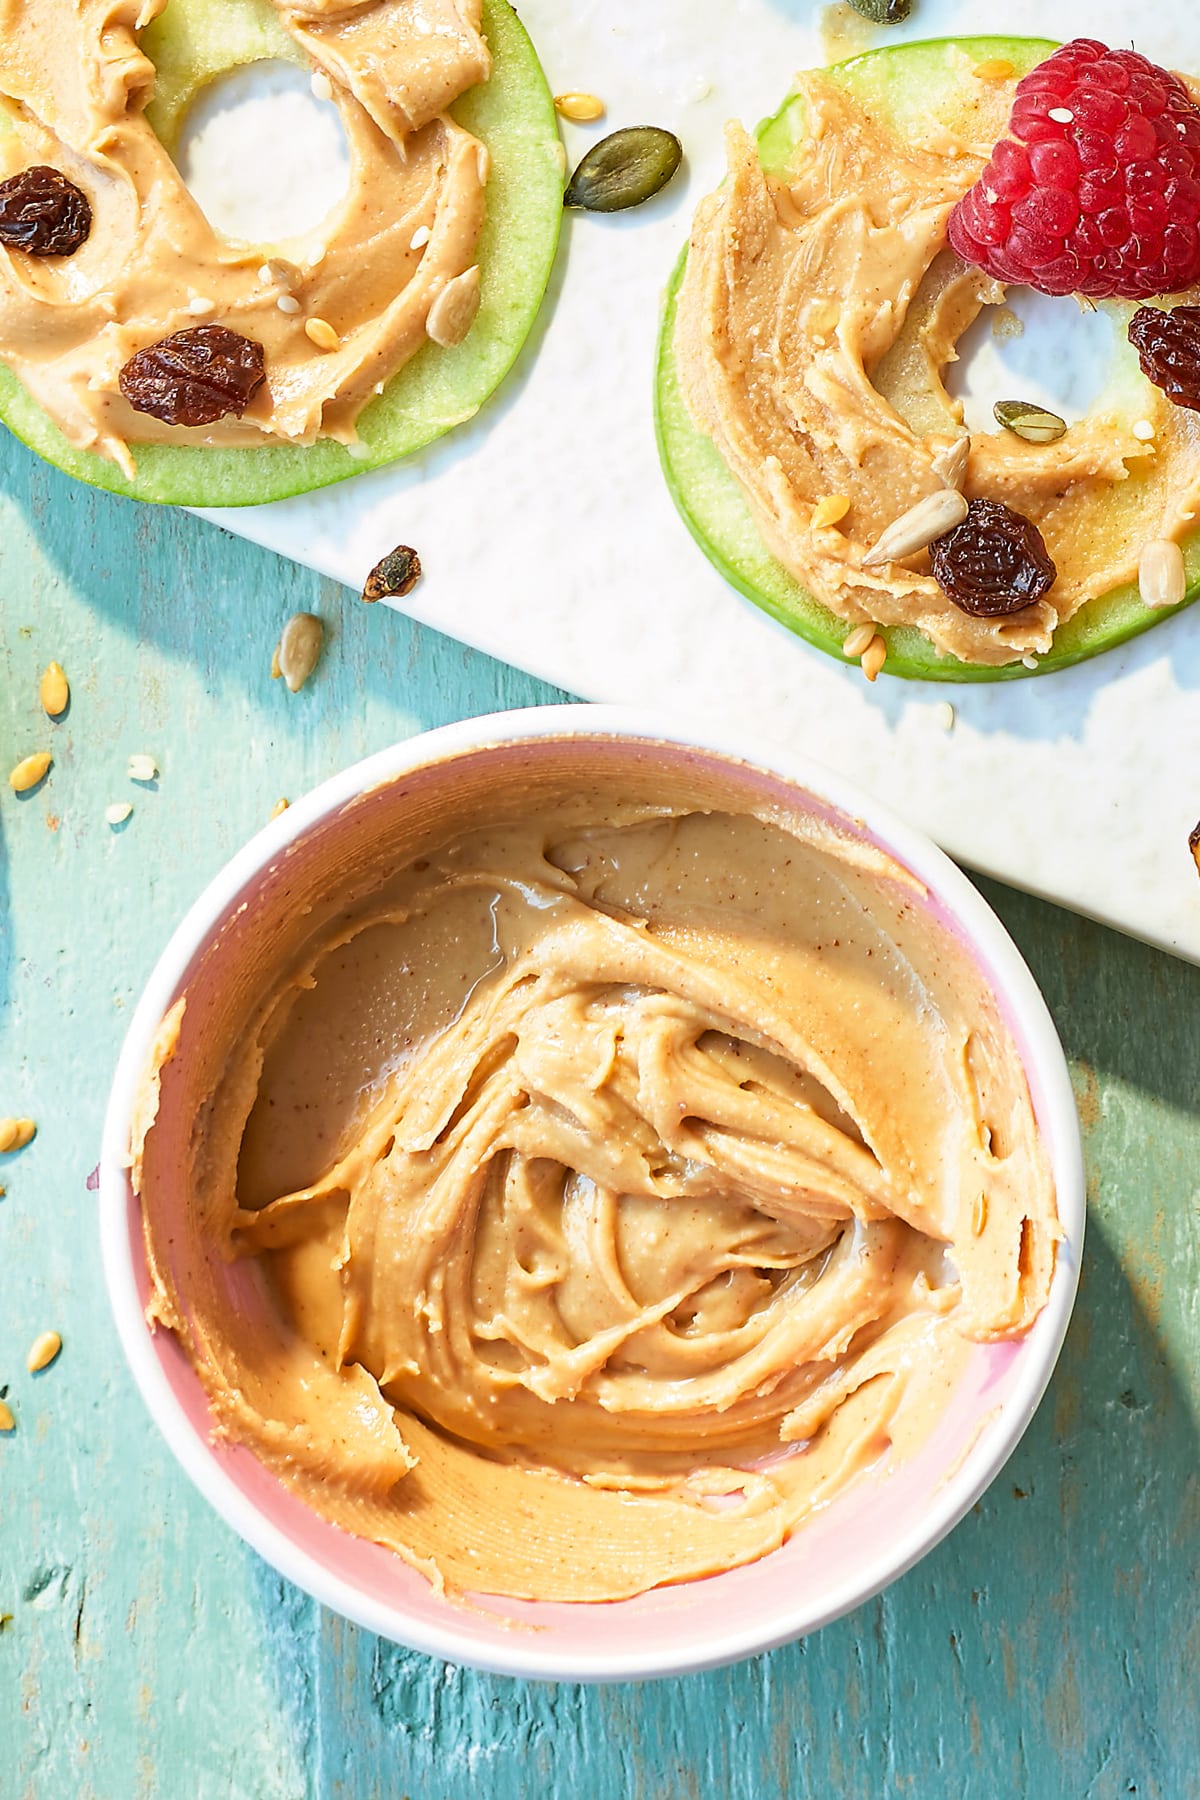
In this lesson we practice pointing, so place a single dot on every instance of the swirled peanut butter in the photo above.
(599, 1192)
(817, 317)
(73, 86)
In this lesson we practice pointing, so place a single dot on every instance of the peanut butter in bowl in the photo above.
(575, 1174)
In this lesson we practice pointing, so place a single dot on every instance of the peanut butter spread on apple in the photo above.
(73, 87)
(598, 1193)
(818, 313)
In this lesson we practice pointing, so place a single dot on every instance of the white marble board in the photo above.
(548, 537)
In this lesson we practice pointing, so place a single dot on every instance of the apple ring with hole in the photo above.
(146, 352)
(808, 429)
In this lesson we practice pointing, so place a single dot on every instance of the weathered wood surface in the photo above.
(1049, 1648)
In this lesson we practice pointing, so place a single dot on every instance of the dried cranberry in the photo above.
(43, 213)
(194, 377)
(994, 563)
(1168, 347)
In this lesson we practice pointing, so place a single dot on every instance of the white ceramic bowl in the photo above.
(873, 1531)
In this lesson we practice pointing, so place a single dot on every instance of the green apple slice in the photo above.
(195, 41)
(906, 83)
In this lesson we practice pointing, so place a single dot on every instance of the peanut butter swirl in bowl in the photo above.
(578, 1172)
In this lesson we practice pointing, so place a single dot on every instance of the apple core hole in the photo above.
(263, 156)
(1036, 347)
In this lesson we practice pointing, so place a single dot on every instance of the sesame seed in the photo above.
(322, 87)
(288, 303)
(118, 812)
(420, 238)
(142, 767)
(199, 305)
(1143, 430)
(321, 333)
(1029, 662)
(1062, 115)
(943, 714)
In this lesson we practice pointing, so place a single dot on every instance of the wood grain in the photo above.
(1048, 1648)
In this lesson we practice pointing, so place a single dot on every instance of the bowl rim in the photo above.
(1047, 1068)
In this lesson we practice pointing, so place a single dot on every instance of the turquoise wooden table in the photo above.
(1048, 1648)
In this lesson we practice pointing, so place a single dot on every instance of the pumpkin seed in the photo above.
(624, 169)
(1033, 423)
(394, 575)
(299, 649)
(883, 12)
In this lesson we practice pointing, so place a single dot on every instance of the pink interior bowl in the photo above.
(865, 1538)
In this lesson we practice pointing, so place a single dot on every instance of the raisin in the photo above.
(994, 563)
(194, 377)
(43, 213)
(1168, 347)
(394, 575)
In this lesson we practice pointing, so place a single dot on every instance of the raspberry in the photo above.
(1097, 189)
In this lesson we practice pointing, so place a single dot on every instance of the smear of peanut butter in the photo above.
(73, 86)
(596, 1196)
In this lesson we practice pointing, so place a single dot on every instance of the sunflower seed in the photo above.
(930, 519)
(624, 169)
(1033, 423)
(1162, 576)
(951, 464)
(299, 649)
(453, 312)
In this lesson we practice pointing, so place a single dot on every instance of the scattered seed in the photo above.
(199, 306)
(1032, 423)
(930, 519)
(118, 812)
(582, 109)
(288, 303)
(624, 169)
(7, 1422)
(980, 1215)
(453, 312)
(43, 1351)
(142, 767)
(299, 649)
(394, 575)
(951, 464)
(276, 671)
(321, 333)
(856, 641)
(321, 85)
(420, 238)
(16, 1133)
(29, 771)
(829, 511)
(1162, 576)
(54, 691)
(280, 806)
(1143, 431)
(994, 69)
(873, 658)
(943, 713)
(883, 12)
(1029, 662)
